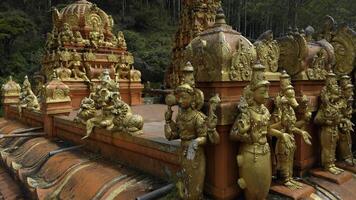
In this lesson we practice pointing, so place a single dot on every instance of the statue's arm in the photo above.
(240, 128)
(201, 129)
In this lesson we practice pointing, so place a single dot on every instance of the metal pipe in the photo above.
(160, 91)
(157, 193)
(22, 135)
(52, 153)
(26, 130)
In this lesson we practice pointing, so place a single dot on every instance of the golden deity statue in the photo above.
(194, 129)
(346, 125)
(27, 98)
(105, 109)
(78, 70)
(251, 128)
(286, 104)
(329, 118)
(121, 43)
(66, 35)
(96, 37)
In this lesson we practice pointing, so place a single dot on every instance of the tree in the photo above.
(12, 25)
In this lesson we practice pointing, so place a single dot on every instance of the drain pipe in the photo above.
(22, 135)
(52, 153)
(157, 193)
(26, 130)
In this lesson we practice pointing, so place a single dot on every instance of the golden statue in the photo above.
(87, 110)
(27, 98)
(78, 39)
(66, 35)
(96, 36)
(329, 118)
(286, 104)
(105, 109)
(194, 129)
(121, 40)
(251, 128)
(346, 125)
(78, 70)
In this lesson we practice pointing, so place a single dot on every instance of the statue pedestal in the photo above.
(302, 193)
(50, 110)
(131, 92)
(339, 179)
(347, 167)
(7, 102)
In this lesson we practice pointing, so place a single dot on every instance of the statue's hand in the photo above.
(193, 146)
(168, 115)
(307, 137)
(288, 140)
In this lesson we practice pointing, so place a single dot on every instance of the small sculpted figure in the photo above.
(329, 117)
(27, 98)
(78, 70)
(346, 125)
(96, 36)
(121, 40)
(193, 128)
(79, 40)
(286, 104)
(251, 128)
(105, 109)
(66, 35)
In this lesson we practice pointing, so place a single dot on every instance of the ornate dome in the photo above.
(221, 53)
(82, 16)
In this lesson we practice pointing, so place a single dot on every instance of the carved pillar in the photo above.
(55, 101)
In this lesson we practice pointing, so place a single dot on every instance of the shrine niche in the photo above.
(195, 17)
(82, 45)
(303, 58)
(268, 53)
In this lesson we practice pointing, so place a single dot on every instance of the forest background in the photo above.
(150, 25)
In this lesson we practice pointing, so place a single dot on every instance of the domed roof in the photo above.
(221, 54)
(82, 15)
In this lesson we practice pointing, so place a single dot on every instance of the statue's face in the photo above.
(184, 100)
(260, 95)
(189, 79)
(334, 88)
(290, 94)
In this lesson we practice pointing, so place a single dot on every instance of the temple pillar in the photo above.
(10, 96)
(56, 101)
